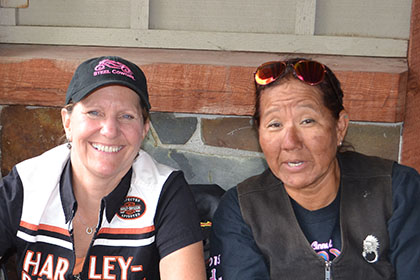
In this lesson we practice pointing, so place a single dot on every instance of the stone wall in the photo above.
(217, 149)
(202, 102)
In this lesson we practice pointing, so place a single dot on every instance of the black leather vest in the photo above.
(365, 207)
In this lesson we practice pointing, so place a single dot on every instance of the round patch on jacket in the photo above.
(132, 208)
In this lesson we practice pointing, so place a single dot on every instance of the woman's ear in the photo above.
(65, 119)
(146, 127)
(342, 126)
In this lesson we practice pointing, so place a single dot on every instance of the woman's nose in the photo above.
(110, 127)
(291, 139)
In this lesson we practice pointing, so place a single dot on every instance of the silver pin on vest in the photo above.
(370, 249)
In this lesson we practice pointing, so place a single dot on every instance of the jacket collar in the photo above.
(112, 202)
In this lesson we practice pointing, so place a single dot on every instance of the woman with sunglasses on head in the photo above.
(100, 207)
(316, 212)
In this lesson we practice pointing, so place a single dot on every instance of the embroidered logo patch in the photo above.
(132, 208)
(108, 66)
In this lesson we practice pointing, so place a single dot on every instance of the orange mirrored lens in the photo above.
(310, 72)
(269, 72)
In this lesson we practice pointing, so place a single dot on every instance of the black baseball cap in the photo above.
(107, 70)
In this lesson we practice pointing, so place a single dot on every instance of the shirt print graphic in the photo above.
(326, 249)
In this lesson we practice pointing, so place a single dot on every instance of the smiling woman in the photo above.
(316, 212)
(100, 207)
(106, 130)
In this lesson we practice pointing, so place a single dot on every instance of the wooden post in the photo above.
(305, 17)
(7, 16)
(411, 132)
(139, 14)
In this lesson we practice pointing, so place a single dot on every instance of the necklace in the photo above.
(89, 230)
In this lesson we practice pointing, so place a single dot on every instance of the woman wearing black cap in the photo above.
(100, 207)
(316, 212)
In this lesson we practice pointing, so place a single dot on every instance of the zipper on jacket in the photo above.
(328, 270)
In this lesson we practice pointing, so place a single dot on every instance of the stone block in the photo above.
(200, 168)
(172, 129)
(27, 132)
(230, 132)
(375, 139)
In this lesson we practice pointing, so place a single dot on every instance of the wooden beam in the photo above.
(198, 81)
(195, 40)
(411, 132)
(14, 3)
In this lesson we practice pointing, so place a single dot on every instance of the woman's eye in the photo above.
(93, 113)
(128, 117)
(308, 121)
(274, 125)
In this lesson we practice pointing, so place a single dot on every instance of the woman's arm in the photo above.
(179, 238)
(185, 263)
(234, 253)
(11, 199)
(404, 225)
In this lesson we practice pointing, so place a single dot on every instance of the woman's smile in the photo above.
(106, 148)
(107, 129)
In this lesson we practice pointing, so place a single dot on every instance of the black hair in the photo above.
(330, 88)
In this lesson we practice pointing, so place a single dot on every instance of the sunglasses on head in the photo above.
(308, 71)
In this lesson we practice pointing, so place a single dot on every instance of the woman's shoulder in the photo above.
(54, 157)
(231, 194)
(258, 183)
(43, 170)
(361, 165)
(404, 170)
(228, 203)
(405, 181)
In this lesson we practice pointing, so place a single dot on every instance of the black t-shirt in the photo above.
(235, 254)
(321, 228)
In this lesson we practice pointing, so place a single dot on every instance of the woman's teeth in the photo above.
(294, 164)
(107, 149)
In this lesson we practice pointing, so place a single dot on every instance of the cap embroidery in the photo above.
(116, 68)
